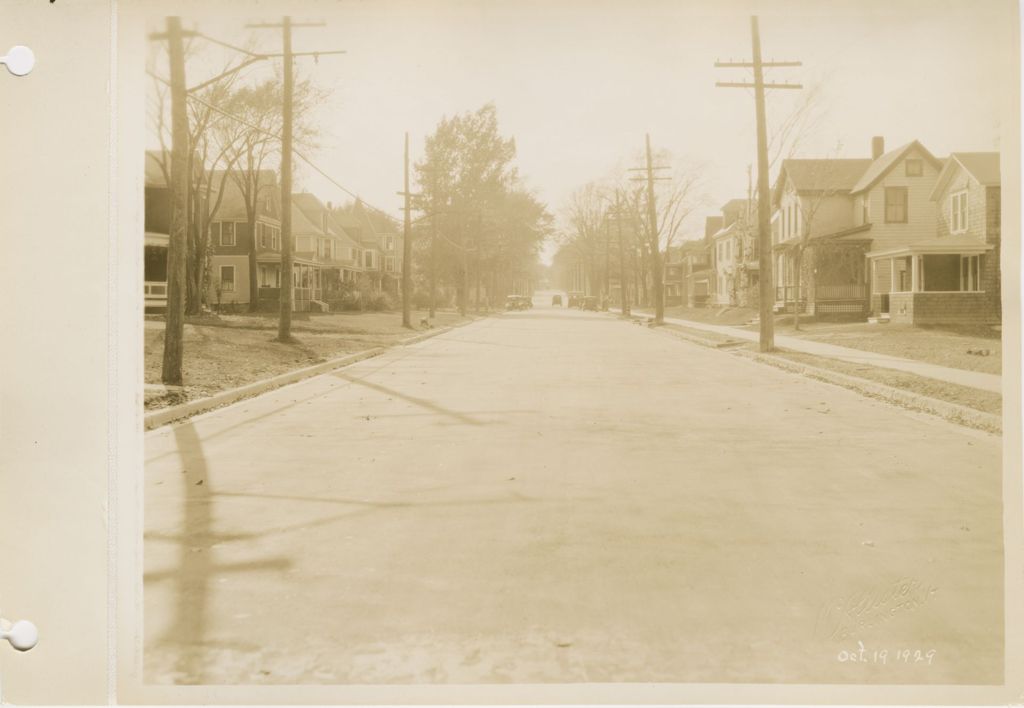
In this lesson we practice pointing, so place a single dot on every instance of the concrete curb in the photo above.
(952, 412)
(165, 416)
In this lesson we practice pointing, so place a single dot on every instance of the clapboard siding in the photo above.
(920, 224)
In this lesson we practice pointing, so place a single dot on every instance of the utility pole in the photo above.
(764, 217)
(174, 332)
(284, 329)
(623, 285)
(407, 249)
(652, 219)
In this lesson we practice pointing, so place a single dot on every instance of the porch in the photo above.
(936, 284)
(155, 271)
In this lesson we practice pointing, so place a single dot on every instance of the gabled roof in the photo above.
(982, 166)
(880, 167)
(821, 175)
(232, 205)
(734, 205)
(314, 212)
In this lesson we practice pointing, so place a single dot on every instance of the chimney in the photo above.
(877, 147)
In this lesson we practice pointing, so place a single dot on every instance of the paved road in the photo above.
(559, 496)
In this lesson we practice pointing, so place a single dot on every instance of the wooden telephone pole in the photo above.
(764, 216)
(174, 332)
(657, 276)
(623, 285)
(407, 248)
(284, 329)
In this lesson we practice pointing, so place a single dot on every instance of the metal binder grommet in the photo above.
(22, 635)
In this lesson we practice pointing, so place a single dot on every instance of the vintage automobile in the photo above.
(518, 302)
(556, 300)
(574, 299)
(588, 302)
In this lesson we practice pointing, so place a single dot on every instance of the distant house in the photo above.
(329, 254)
(954, 275)
(380, 246)
(698, 271)
(673, 280)
(734, 255)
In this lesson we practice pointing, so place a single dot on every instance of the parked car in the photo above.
(588, 303)
(556, 300)
(518, 302)
(574, 299)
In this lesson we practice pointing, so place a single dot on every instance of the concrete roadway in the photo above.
(559, 496)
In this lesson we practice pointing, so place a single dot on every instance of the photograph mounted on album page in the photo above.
(513, 352)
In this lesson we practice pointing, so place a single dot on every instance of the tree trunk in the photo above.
(253, 284)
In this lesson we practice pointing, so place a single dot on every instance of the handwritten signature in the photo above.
(841, 618)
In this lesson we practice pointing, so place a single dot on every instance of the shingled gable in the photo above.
(881, 167)
(982, 166)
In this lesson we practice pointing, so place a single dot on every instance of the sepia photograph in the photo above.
(500, 343)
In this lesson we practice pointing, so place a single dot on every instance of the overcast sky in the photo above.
(578, 84)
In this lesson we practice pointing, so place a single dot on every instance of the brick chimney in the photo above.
(877, 147)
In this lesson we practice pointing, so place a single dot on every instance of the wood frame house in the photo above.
(955, 275)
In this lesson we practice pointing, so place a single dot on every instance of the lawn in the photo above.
(945, 346)
(985, 401)
(227, 351)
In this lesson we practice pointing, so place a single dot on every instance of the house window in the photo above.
(390, 243)
(958, 212)
(227, 278)
(895, 205)
(368, 263)
(227, 233)
(914, 167)
(901, 274)
(261, 234)
(389, 263)
(970, 273)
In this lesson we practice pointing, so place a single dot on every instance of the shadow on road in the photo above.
(195, 568)
(422, 402)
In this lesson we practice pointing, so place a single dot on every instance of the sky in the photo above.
(579, 84)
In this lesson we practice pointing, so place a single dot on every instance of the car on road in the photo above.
(588, 303)
(556, 300)
(518, 302)
(574, 299)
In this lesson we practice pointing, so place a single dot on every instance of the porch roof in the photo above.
(961, 246)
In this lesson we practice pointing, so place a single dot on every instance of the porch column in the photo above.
(914, 264)
(892, 275)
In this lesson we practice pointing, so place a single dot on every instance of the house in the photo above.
(951, 276)
(734, 255)
(373, 232)
(326, 253)
(698, 270)
(673, 278)
(245, 259)
(814, 231)
(903, 235)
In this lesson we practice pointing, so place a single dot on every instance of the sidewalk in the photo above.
(962, 377)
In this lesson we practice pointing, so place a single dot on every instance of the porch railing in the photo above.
(856, 291)
(788, 293)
